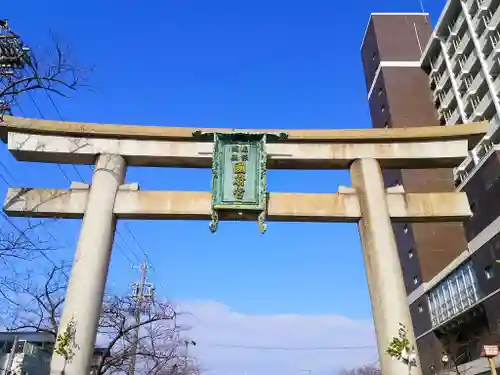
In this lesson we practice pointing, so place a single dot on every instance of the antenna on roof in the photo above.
(422, 6)
(423, 10)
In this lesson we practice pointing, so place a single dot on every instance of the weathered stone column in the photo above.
(84, 296)
(383, 270)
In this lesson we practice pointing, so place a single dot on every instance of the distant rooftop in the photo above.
(27, 336)
(388, 14)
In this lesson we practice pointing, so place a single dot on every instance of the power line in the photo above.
(43, 117)
(76, 170)
(23, 234)
(68, 179)
(141, 249)
(82, 179)
(290, 348)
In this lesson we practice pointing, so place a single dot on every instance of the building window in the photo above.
(410, 253)
(488, 272)
(415, 280)
(405, 229)
(420, 308)
(454, 294)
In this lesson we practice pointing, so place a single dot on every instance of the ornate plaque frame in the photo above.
(239, 175)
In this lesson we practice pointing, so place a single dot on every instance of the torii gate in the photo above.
(239, 161)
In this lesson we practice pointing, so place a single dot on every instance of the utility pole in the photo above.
(13, 57)
(141, 292)
(187, 343)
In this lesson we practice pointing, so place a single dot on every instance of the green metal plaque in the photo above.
(239, 167)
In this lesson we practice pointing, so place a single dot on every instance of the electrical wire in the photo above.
(119, 234)
(78, 173)
(291, 348)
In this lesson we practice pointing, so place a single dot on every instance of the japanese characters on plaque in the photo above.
(239, 159)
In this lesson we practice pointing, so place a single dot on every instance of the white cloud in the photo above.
(215, 324)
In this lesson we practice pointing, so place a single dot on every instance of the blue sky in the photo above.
(260, 64)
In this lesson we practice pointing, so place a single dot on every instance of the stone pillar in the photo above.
(84, 295)
(383, 270)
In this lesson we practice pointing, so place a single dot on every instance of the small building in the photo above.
(29, 353)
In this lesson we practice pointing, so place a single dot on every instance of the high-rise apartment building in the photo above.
(420, 76)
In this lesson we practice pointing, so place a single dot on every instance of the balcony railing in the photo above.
(453, 119)
(469, 63)
(495, 20)
(455, 28)
(448, 98)
(466, 39)
(480, 110)
(475, 85)
(496, 84)
(441, 80)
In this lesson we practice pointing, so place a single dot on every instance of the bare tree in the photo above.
(369, 369)
(154, 342)
(463, 343)
(456, 347)
(155, 349)
(23, 71)
(15, 243)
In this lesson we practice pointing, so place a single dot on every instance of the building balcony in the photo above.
(437, 65)
(495, 20)
(455, 28)
(466, 39)
(477, 82)
(490, 28)
(493, 56)
(483, 148)
(462, 172)
(439, 61)
(480, 110)
(474, 87)
(469, 4)
(484, 4)
(482, 11)
(441, 82)
(454, 118)
(469, 63)
(447, 100)
(496, 84)
(477, 21)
